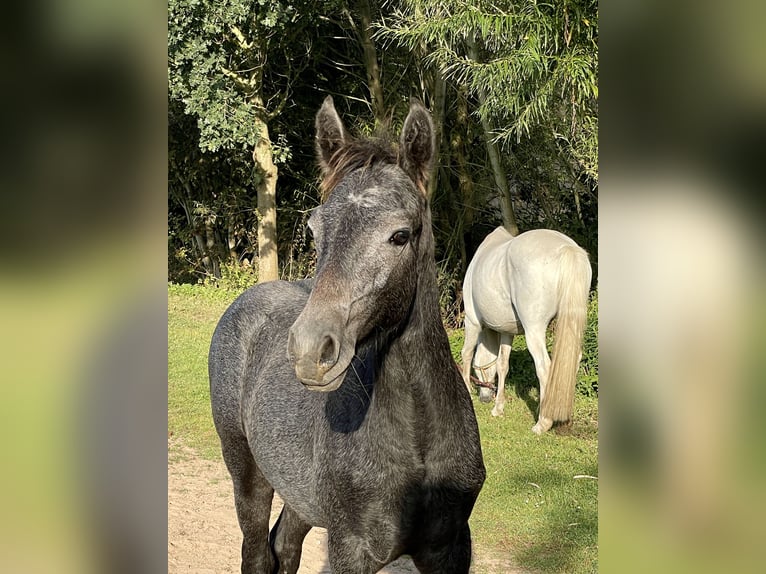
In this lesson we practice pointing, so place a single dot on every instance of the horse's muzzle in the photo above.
(315, 358)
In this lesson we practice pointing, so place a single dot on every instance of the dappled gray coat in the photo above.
(341, 393)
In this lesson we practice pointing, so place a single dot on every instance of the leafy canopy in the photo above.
(530, 64)
(219, 68)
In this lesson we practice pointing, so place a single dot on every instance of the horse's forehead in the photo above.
(368, 196)
(386, 188)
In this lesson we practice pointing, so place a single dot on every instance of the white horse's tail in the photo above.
(574, 284)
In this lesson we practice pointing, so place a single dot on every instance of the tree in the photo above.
(511, 86)
(528, 65)
(218, 55)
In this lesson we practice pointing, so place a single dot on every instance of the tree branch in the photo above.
(241, 40)
(248, 84)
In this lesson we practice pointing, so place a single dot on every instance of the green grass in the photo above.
(531, 507)
(193, 312)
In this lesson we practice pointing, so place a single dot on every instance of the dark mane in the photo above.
(356, 154)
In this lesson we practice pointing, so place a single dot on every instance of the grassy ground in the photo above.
(539, 502)
(193, 313)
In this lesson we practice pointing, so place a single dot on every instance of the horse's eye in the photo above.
(400, 237)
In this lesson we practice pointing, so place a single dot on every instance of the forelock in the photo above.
(358, 154)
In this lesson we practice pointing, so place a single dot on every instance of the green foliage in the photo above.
(235, 277)
(587, 378)
(204, 296)
(211, 203)
(456, 339)
(534, 64)
(450, 284)
(530, 71)
(217, 54)
(232, 66)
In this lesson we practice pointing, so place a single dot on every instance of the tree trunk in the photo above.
(370, 56)
(437, 114)
(204, 258)
(458, 144)
(501, 179)
(266, 187)
(210, 247)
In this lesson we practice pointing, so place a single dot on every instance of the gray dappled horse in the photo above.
(516, 285)
(340, 393)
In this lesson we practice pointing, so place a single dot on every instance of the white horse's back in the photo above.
(517, 285)
(535, 272)
(512, 275)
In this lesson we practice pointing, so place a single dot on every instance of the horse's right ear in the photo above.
(331, 134)
(417, 146)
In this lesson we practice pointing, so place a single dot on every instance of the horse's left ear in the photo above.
(417, 147)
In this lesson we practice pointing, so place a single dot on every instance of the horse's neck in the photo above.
(426, 339)
(419, 395)
(418, 362)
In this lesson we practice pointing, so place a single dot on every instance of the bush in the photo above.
(587, 379)
(450, 284)
(205, 293)
(234, 277)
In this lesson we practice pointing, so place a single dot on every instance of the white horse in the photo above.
(517, 285)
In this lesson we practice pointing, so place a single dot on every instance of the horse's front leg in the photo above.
(350, 555)
(286, 540)
(450, 557)
(472, 332)
(252, 499)
(503, 360)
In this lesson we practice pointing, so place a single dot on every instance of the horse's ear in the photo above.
(417, 147)
(331, 134)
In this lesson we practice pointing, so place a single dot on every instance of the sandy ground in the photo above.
(203, 534)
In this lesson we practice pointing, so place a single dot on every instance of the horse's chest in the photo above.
(369, 480)
(370, 497)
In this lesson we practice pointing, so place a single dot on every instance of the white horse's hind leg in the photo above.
(472, 332)
(536, 345)
(503, 358)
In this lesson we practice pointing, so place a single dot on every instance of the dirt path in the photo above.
(203, 534)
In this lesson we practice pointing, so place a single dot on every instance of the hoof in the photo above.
(542, 426)
(496, 412)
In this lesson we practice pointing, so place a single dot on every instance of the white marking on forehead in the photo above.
(366, 197)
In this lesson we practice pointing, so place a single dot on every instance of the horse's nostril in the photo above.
(328, 354)
(290, 346)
